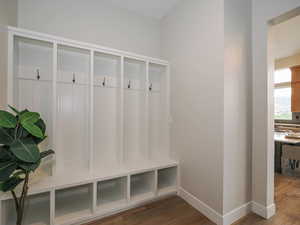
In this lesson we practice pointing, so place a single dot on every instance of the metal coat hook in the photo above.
(74, 80)
(38, 77)
(104, 82)
(129, 84)
(150, 87)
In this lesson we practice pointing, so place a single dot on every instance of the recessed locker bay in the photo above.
(33, 88)
(73, 110)
(106, 113)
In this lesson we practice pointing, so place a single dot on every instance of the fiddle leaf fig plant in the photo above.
(20, 136)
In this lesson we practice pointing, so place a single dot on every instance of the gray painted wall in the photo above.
(237, 105)
(8, 12)
(92, 21)
(193, 41)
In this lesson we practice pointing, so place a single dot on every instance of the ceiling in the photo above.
(150, 8)
(286, 38)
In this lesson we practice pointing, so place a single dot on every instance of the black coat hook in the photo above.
(150, 87)
(129, 84)
(74, 80)
(104, 82)
(38, 77)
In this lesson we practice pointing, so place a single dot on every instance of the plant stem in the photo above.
(16, 200)
(22, 200)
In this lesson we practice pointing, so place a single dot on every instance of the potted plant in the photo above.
(20, 136)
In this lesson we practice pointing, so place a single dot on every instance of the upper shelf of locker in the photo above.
(78, 44)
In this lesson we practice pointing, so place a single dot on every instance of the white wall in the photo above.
(92, 21)
(237, 105)
(263, 144)
(193, 41)
(8, 16)
(8, 12)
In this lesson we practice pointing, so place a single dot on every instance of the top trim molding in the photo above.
(84, 45)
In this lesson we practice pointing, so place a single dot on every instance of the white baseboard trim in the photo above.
(214, 216)
(263, 211)
(207, 211)
(236, 214)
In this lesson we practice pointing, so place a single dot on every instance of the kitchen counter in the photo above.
(280, 137)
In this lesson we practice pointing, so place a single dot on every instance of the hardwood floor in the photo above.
(175, 211)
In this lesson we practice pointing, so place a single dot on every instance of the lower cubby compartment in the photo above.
(37, 210)
(73, 204)
(167, 180)
(111, 194)
(142, 186)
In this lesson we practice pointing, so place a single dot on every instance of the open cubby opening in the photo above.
(33, 88)
(107, 70)
(33, 59)
(157, 77)
(72, 146)
(158, 116)
(134, 74)
(73, 203)
(73, 65)
(142, 186)
(135, 129)
(37, 210)
(111, 193)
(107, 111)
(167, 178)
(106, 127)
(135, 133)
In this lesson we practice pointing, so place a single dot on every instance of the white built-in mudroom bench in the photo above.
(107, 115)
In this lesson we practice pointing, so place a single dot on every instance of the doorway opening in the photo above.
(284, 95)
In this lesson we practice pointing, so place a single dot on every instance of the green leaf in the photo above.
(29, 167)
(23, 111)
(29, 117)
(34, 130)
(4, 156)
(7, 120)
(47, 153)
(41, 124)
(22, 133)
(25, 150)
(14, 109)
(6, 136)
(6, 169)
(10, 184)
(28, 120)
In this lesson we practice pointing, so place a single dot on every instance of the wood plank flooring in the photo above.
(175, 211)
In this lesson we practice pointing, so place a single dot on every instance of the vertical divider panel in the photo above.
(54, 108)
(91, 120)
(147, 112)
(94, 208)
(168, 115)
(1, 216)
(52, 207)
(156, 182)
(10, 66)
(128, 187)
(121, 115)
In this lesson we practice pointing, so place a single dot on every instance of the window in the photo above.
(282, 94)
